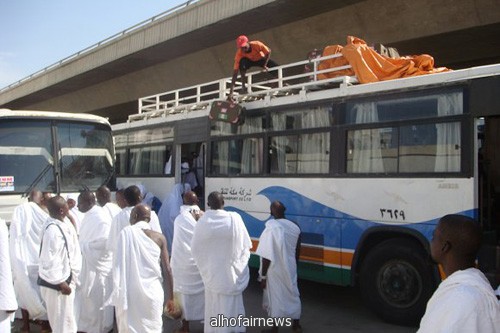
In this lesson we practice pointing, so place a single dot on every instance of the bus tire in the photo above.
(396, 281)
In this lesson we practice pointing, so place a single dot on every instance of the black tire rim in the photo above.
(399, 284)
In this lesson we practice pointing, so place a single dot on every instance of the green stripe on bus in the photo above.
(315, 272)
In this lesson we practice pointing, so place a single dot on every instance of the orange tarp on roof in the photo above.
(333, 62)
(370, 66)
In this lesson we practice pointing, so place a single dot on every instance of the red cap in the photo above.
(241, 41)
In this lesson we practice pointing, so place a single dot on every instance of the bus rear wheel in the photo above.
(396, 281)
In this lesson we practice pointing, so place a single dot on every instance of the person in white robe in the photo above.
(189, 176)
(59, 266)
(150, 199)
(464, 301)
(142, 279)
(103, 197)
(133, 197)
(120, 198)
(95, 276)
(278, 248)
(188, 284)
(72, 200)
(25, 231)
(8, 302)
(221, 249)
(169, 210)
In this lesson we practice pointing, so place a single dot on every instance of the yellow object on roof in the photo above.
(370, 66)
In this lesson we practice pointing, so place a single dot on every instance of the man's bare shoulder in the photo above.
(157, 237)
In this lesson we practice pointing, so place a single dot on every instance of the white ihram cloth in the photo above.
(169, 210)
(56, 264)
(28, 220)
(278, 244)
(464, 302)
(137, 281)
(187, 279)
(112, 209)
(122, 220)
(7, 295)
(221, 249)
(78, 217)
(95, 277)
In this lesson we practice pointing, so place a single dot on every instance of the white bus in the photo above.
(52, 152)
(366, 170)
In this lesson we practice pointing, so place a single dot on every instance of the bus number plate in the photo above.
(393, 214)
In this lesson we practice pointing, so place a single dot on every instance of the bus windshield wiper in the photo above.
(37, 180)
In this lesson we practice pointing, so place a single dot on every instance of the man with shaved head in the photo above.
(464, 301)
(25, 231)
(59, 266)
(133, 197)
(279, 247)
(120, 198)
(142, 278)
(187, 279)
(221, 249)
(95, 277)
(103, 196)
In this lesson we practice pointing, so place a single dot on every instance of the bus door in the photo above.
(489, 193)
(191, 136)
(193, 168)
(489, 172)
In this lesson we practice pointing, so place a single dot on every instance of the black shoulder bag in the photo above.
(42, 282)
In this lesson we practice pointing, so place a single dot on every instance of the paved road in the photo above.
(324, 309)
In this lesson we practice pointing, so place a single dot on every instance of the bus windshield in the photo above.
(83, 157)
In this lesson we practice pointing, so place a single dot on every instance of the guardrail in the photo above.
(278, 81)
(100, 43)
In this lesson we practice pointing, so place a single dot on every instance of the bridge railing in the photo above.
(100, 43)
(284, 80)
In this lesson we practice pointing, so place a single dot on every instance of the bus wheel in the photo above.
(396, 281)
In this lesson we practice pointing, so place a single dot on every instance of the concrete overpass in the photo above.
(195, 43)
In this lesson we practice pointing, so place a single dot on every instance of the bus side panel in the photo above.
(333, 214)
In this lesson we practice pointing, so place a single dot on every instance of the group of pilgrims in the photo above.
(88, 264)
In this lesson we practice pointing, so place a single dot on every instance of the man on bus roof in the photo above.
(249, 54)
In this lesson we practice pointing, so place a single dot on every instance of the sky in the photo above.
(35, 34)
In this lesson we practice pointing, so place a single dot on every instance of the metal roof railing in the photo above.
(278, 81)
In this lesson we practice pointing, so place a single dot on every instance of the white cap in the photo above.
(72, 196)
(185, 167)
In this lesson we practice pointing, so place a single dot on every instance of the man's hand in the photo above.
(65, 288)
(197, 214)
(169, 307)
(171, 311)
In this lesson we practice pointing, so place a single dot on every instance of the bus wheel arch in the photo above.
(396, 277)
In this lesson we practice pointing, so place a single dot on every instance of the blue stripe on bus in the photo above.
(323, 225)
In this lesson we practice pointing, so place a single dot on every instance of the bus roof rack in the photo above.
(284, 80)
(298, 78)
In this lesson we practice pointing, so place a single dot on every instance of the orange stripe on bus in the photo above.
(320, 255)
